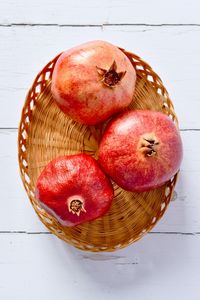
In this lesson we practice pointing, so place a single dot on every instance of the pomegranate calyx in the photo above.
(110, 77)
(76, 206)
(149, 145)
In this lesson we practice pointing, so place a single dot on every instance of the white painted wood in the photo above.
(17, 214)
(99, 12)
(173, 52)
(161, 265)
(43, 267)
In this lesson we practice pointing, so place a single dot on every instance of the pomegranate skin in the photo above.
(141, 150)
(78, 87)
(68, 179)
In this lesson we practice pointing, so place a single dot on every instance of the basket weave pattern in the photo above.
(45, 133)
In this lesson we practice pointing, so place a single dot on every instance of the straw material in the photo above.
(45, 132)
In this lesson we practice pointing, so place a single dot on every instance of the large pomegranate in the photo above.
(74, 189)
(93, 81)
(141, 150)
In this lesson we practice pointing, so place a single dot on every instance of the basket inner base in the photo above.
(51, 134)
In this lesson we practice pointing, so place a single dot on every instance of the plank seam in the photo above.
(47, 232)
(98, 25)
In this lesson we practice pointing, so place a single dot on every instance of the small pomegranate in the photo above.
(141, 150)
(74, 189)
(93, 81)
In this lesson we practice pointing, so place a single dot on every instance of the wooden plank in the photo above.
(99, 12)
(173, 52)
(43, 267)
(17, 214)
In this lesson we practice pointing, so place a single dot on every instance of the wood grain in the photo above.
(163, 265)
(16, 213)
(93, 12)
(173, 52)
(42, 267)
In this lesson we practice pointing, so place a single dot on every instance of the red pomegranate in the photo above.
(93, 81)
(141, 150)
(74, 189)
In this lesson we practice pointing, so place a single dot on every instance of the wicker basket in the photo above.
(45, 133)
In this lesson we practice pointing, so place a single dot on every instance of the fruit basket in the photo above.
(45, 132)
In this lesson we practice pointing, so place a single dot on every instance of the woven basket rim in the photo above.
(143, 69)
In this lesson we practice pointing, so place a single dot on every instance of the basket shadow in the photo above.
(147, 260)
(155, 256)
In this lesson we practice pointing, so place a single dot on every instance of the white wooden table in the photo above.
(165, 264)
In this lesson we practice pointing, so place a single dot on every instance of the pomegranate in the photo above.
(141, 150)
(93, 81)
(74, 189)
